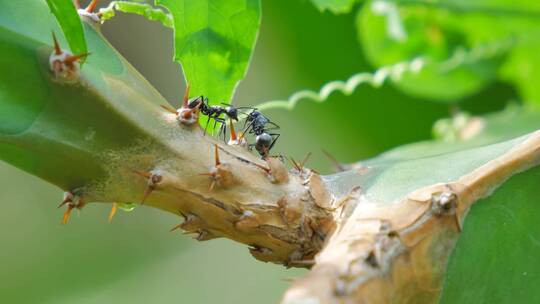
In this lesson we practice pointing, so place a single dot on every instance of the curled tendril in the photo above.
(394, 72)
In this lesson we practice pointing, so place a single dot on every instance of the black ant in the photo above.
(200, 104)
(214, 112)
(256, 124)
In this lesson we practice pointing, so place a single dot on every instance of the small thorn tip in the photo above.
(90, 8)
(113, 212)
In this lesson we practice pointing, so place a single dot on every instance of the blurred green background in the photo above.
(135, 259)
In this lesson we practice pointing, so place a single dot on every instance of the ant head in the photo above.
(193, 103)
(232, 112)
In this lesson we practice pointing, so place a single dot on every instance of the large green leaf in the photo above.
(70, 22)
(496, 257)
(213, 41)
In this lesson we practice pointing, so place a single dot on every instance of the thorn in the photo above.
(212, 185)
(294, 164)
(74, 58)
(233, 132)
(334, 161)
(146, 194)
(216, 160)
(90, 8)
(186, 96)
(154, 178)
(57, 49)
(241, 136)
(303, 262)
(305, 160)
(143, 174)
(173, 229)
(169, 109)
(266, 169)
(220, 173)
(69, 200)
(113, 212)
(67, 214)
(216, 155)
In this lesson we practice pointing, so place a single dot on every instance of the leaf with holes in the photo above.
(213, 41)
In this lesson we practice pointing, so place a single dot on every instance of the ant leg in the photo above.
(249, 108)
(217, 120)
(273, 141)
(248, 128)
(274, 124)
(223, 131)
(206, 126)
(272, 128)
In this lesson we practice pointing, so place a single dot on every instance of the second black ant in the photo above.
(256, 123)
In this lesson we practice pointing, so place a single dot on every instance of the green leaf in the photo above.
(70, 22)
(335, 6)
(213, 41)
(496, 257)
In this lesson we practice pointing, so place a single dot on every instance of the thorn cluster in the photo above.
(185, 115)
(63, 63)
(153, 177)
(220, 173)
(89, 11)
(73, 201)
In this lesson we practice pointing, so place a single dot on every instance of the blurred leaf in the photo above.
(70, 22)
(394, 24)
(213, 41)
(523, 70)
(495, 128)
(430, 35)
(143, 9)
(335, 6)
